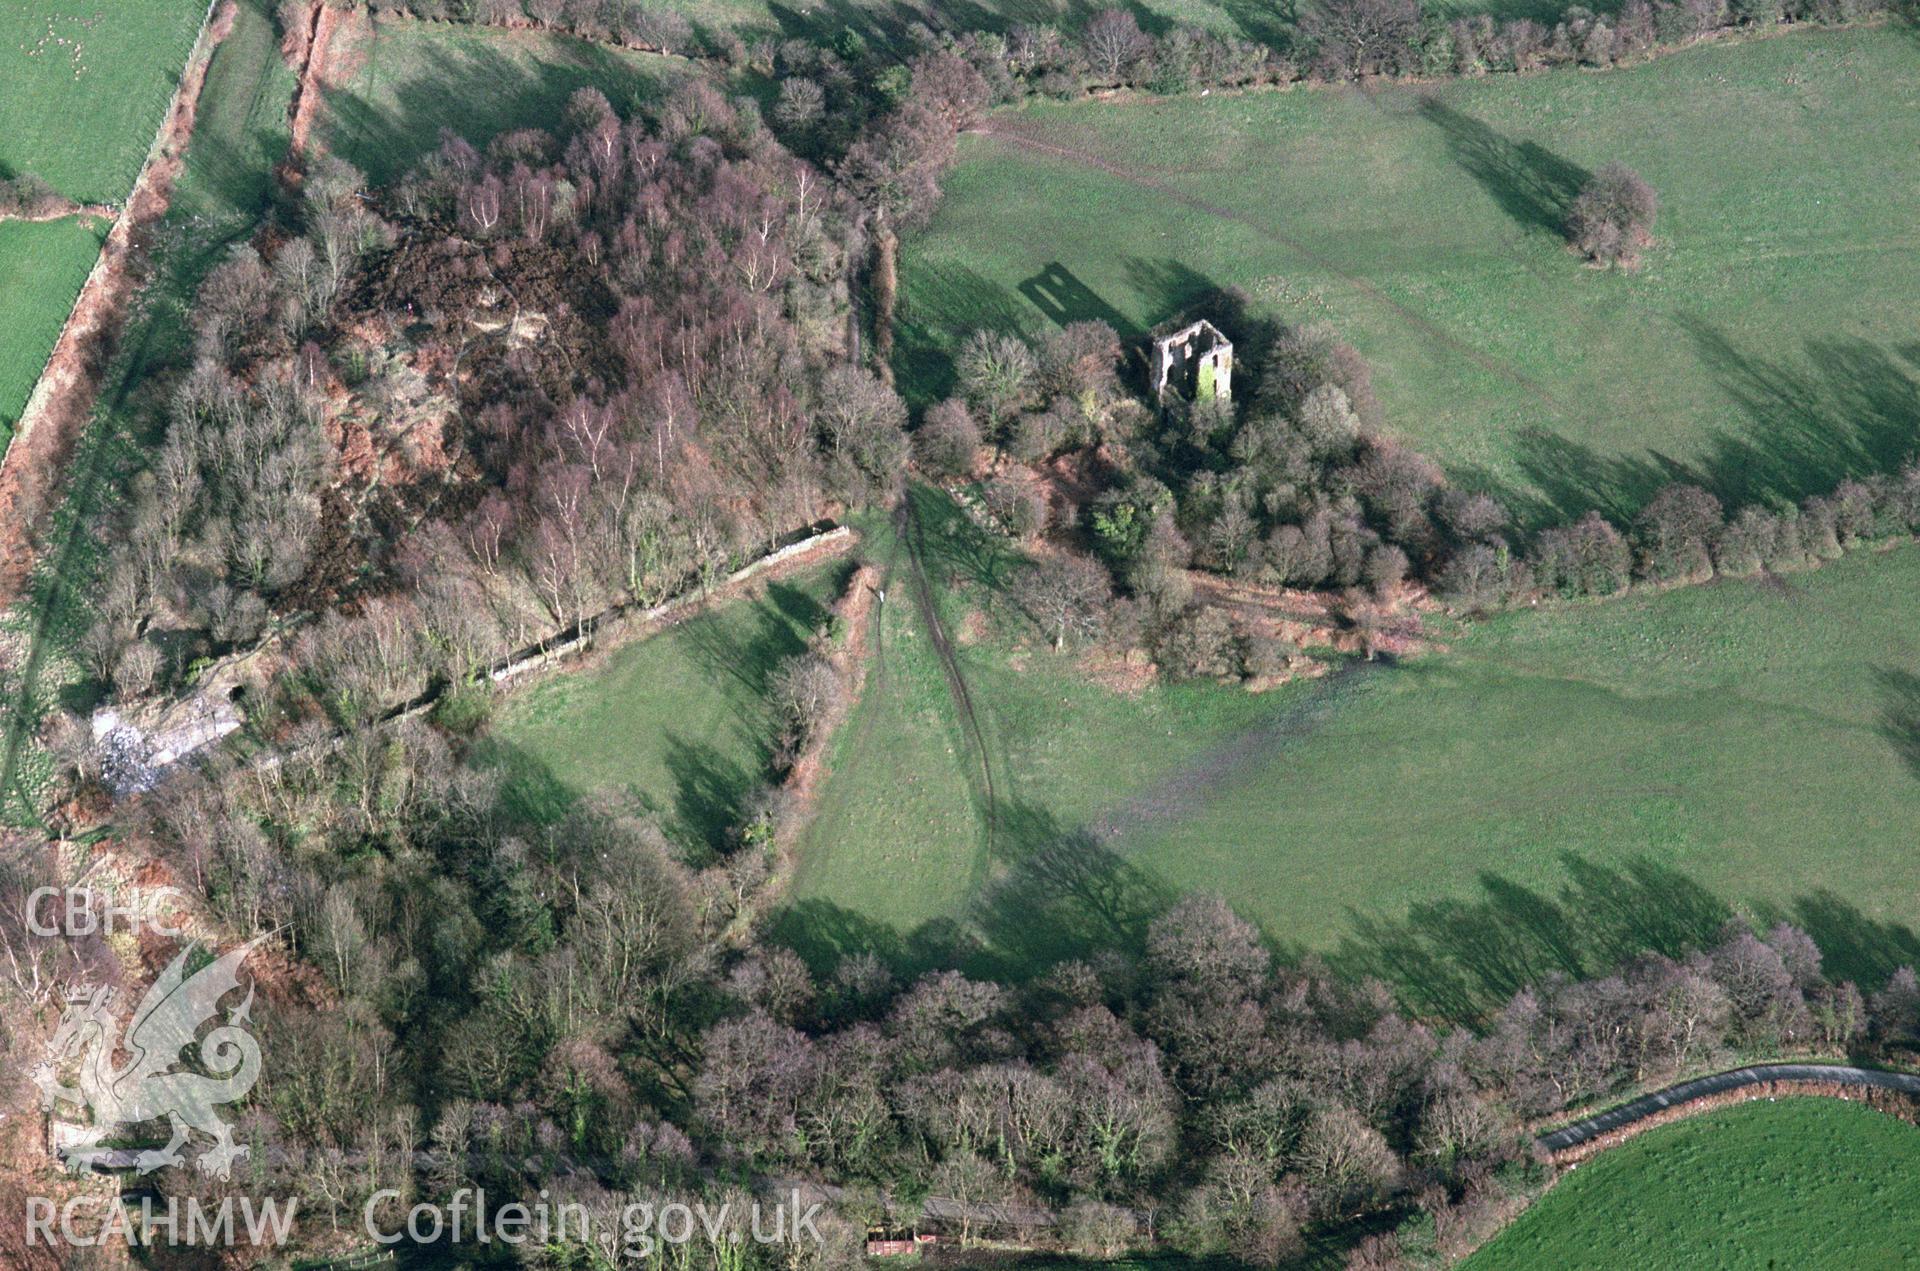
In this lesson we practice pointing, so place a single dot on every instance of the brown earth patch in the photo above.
(1300, 668)
(1305, 609)
(972, 628)
(27, 1171)
(1352, 623)
(323, 20)
(1129, 674)
(125, 868)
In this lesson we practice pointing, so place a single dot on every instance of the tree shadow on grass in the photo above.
(1265, 22)
(1852, 945)
(1849, 409)
(892, 27)
(744, 642)
(1176, 290)
(709, 790)
(531, 795)
(1531, 184)
(940, 306)
(832, 21)
(1057, 895)
(1060, 894)
(824, 933)
(956, 549)
(469, 87)
(1058, 293)
(1461, 959)
(1900, 713)
(230, 164)
(742, 645)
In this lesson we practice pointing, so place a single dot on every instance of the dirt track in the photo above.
(1605, 1129)
(907, 526)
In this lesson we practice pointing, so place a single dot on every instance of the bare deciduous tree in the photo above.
(1352, 38)
(1611, 220)
(1066, 595)
(1114, 43)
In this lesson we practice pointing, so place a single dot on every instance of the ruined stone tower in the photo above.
(1195, 362)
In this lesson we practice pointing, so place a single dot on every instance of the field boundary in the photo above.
(1584, 1138)
(532, 26)
(854, 654)
(99, 211)
(310, 91)
(611, 629)
(592, 632)
(61, 403)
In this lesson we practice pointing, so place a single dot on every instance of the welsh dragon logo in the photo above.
(150, 1085)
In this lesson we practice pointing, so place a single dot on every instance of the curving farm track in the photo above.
(1627, 1116)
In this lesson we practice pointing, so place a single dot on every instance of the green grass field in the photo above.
(412, 79)
(675, 724)
(240, 130)
(42, 265)
(1561, 788)
(223, 191)
(1766, 348)
(899, 854)
(1554, 790)
(83, 86)
(1802, 1183)
(889, 23)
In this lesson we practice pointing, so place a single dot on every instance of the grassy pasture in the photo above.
(410, 80)
(1766, 348)
(1553, 790)
(223, 191)
(1805, 1183)
(1561, 788)
(83, 86)
(42, 265)
(675, 724)
(240, 130)
(899, 852)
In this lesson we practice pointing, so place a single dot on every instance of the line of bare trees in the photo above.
(828, 89)
(542, 1001)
